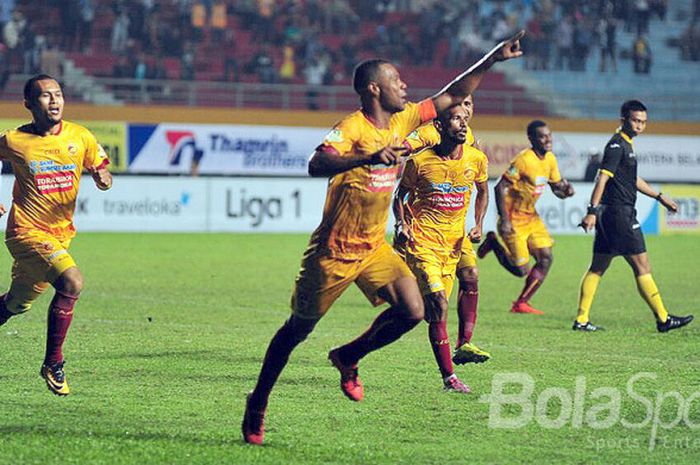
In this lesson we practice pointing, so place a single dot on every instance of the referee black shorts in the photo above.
(617, 231)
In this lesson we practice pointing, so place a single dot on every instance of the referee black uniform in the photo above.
(617, 231)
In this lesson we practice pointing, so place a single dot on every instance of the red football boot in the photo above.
(350, 382)
(524, 307)
(253, 426)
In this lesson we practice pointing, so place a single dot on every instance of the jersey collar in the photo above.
(624, 136)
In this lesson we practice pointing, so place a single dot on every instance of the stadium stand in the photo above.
(299, 54)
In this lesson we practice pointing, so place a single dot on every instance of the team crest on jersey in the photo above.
(72, 148)
(413, 136)
(336, 135)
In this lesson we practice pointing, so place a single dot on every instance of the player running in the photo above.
(617, 231)
(437, 183)
(467, 271)
(48, 156)
(519, 225)
(360, 156)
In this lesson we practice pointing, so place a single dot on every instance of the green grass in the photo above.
(171, 329)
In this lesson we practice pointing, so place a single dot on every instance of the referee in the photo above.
(617, 231)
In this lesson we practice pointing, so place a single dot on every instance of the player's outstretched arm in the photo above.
(467, 82)
(480, 205)
(325, 163)
(646, 189)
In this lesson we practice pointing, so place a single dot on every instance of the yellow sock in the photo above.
(650, 293)
(589, 284)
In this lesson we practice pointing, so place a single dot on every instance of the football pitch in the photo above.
(170, 331)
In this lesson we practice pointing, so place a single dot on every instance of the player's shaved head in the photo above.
(31, 90)
(629, 106)
(533, 127)
(366, 72)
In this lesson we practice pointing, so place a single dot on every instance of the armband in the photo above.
(593, 209)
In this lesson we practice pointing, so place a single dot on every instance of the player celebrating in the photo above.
(467, 271)
(438, 183)
(48, 156)
(360, 156)
(617, 231)
(519, 225)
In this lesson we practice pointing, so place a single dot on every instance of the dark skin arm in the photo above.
(646, 189)
(480, 206)
(562, 189)
(504, 226)
(327, 164)
(466, 83)
(403, 233)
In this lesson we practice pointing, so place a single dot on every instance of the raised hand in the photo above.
(510, 48)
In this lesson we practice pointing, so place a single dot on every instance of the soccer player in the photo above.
(48, 156)
(360, 156)
(467, 271)
(437, 183)
(617, 231)
(519, 225)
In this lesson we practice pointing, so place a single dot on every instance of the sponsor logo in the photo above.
(49, 166)
(147, 207)
(270, 152)
(54, 182)
(381, 178)
(178, 141)
(258, 209)
(72, 148)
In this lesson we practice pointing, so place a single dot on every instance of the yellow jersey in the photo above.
(529, 175)
(428, 136)
(47, 174)
(439, 194)
(357, 201)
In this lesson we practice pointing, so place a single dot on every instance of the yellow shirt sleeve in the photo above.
(342, 138)
(95, 155)
(413, 116)
(516, 168)
(424, 136)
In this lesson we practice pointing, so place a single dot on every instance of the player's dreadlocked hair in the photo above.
(629, 106)
(30, 87)
(364, 73)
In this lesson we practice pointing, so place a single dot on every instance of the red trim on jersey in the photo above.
(427, 111)
(104, 163)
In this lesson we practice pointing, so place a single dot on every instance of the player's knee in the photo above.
(468, 274)
(545, 261)
(436, 308)
(70, 282)
(522, 271)
(414, 309)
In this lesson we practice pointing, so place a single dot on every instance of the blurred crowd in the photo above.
(317, 42)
